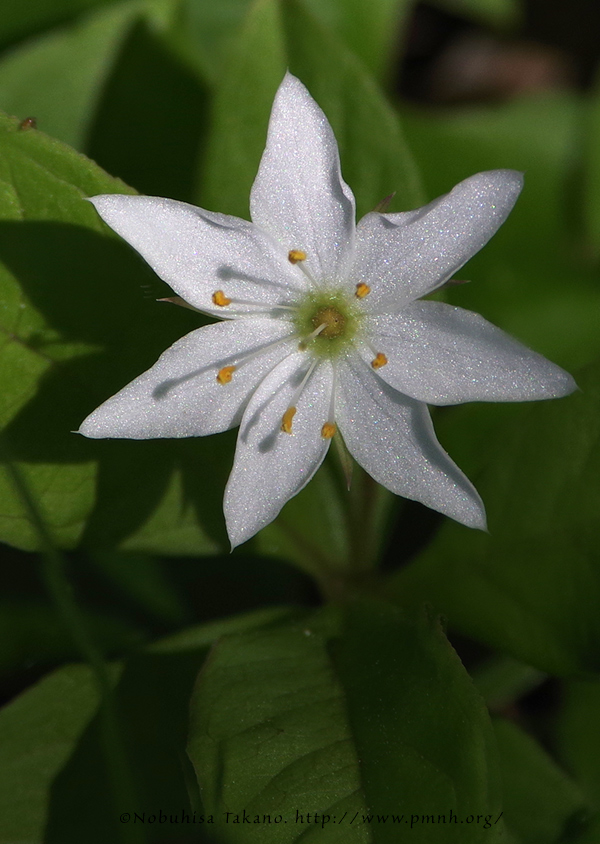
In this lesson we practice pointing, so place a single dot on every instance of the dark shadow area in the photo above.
(150, 123)
(151, 705)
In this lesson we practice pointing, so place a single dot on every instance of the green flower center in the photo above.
(335, 316)
(332, 319)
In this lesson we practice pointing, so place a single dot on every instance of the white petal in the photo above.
(392, 437)
(180, 395)
(444, 355)
(404, 256)
(299, 195)
(271, 466)
(198, 252)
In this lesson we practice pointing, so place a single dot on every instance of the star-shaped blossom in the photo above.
(321, 330)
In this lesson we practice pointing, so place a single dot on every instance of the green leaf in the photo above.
(541, 803)
(203, 34)
(591, 180)
(19, 19)
(370, 30)
(150, 119)
(32, 632)
(533, 279)
(37, 734)
(145, 580)
(241, 109)
(54, 782)
(71, 294)
(375, 159)
(579, 735)
(531, 586)
(37, 78)
(357, 720)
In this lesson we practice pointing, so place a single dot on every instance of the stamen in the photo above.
(304, 343)
(286, 422)
(225, 375)
(362, 290)
(328, 430)
(380, 360)
(220, 299)
(296, 255)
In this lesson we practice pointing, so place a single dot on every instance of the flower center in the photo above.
(332, 319)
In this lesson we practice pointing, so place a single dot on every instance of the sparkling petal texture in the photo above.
(404, 256)
(180, 395)
(270, 466)
(392, 438)
(198, 252)
(299, 195)
(444, 355)
(270, 367)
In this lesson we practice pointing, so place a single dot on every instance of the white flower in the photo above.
(321, 330)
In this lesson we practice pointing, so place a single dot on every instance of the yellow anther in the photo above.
(362, 290)
(225, 375)
(220, 299)
(295, 255)
(286, 422)
(380, 360)
(328, 430)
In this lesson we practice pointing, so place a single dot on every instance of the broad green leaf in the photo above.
(203, 33)
(531, 586)
(20, 18)
(503, 680)
(591, 180)
(38, 78)
(500, 13)
(241, 111)
(32, 632)
(53, 776)
(541, 803)
(420, 729)
(579, 735)
(371, 722)
(376, 161)
(150, 119)
(145, 580)
(371, 30)
(38, 731)
(532, 279)
(70, 294)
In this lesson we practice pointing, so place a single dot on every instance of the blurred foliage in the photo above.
(363, 709)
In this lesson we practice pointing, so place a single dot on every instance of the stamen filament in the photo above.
(329, 429)
(286, 421)
(304, 343)
(224, 374)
